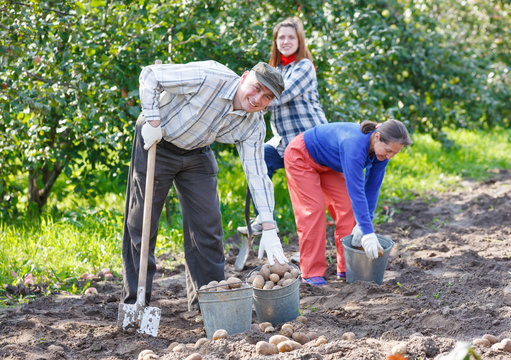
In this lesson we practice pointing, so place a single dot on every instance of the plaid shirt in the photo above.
(298, 108)
(194, 103)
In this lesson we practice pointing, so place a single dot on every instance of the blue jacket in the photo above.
(343, 147)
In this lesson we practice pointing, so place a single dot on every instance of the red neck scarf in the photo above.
(287, 60)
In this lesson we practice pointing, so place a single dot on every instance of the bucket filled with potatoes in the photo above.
(276, 292)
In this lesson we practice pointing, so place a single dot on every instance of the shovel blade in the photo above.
(131, 315)
(246, 244)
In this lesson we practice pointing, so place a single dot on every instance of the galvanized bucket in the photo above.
(277, 306)
(360, 267)
(230, 310)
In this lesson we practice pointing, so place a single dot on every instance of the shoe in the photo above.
(257, 228)
(341, 276)
(315, 280)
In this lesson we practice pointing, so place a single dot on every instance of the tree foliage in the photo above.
(69, 95)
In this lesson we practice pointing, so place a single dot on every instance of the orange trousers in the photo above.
(313, 188)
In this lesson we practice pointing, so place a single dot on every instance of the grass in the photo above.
(80, 238)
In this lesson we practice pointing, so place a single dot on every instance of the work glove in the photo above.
(270, 243)
(371, 245)
(151, 135)
(357, 236)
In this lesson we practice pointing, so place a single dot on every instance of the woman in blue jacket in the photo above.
(339, 166)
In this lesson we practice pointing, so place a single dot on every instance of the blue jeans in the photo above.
(273, 162)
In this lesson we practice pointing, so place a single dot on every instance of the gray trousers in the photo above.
(194, 175)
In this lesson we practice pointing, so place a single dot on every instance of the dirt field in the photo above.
(447, 280)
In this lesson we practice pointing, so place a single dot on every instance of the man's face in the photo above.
(251, 95)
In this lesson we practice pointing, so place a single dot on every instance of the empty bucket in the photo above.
(360, 267)
(230, 310)
(277, 306)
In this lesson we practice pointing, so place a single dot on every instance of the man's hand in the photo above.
(270, 243)
(371, 245)
(151, 134)
(357, 236)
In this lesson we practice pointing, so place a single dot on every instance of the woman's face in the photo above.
(287, 41)
(384, 151)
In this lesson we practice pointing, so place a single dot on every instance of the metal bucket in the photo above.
(230, 310)
(277, 306)
(360, 267)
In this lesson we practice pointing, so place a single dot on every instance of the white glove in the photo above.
(371, 245)
(357, 236)
(270, 243)
(151, 135)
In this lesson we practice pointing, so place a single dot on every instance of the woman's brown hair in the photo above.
(301, 53)
(391, 131)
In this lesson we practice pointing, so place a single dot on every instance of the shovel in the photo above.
(246, 241)
(147, 318)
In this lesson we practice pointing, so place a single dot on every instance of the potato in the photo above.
(200, 343)
(287, 275)
(312, 335)
(179, 348)
(301, 319)
(264, 348)
(223, 285)
(295, 272)
(265, 272)
(286, 331)
(281, 281)
(321, 340)
(258, 282)
(194, 356)
(492, 339)
(300, 337)
(269, 329)
(212, 283)
(278, 269)
(348, 336)
(268, 285)
(264, 325)
(252, 276)
(172, 345)
(275, 278)
(289, 326)
(234, 282)
(399, 349)
(288, 345)
(481, 342)
(277, 287)
(220, 334)
(287, 282)
(276, 339)
(147, 355)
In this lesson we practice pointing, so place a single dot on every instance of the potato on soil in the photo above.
(276, 339)
(288, 345)
(147, 355)
(269, 329)
(194, 356)
(348, 336)
(201, 342)
(258, 282)
(300, 337)
(321, 340)
(234, 282)
(289, 326)
(287, 332)
(481, 342)
(492, 339)
(301, 319)
(264, 348)
(264, 325)
(179, 348)
(220, 334)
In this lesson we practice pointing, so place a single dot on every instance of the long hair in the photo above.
(302, 51)
(390, 131)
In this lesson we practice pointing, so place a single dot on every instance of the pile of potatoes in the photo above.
(288, 339)
(229, 284)
(272, 277)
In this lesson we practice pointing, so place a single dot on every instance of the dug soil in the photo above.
(447, 280)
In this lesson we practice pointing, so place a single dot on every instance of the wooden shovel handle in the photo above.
(146, 223)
